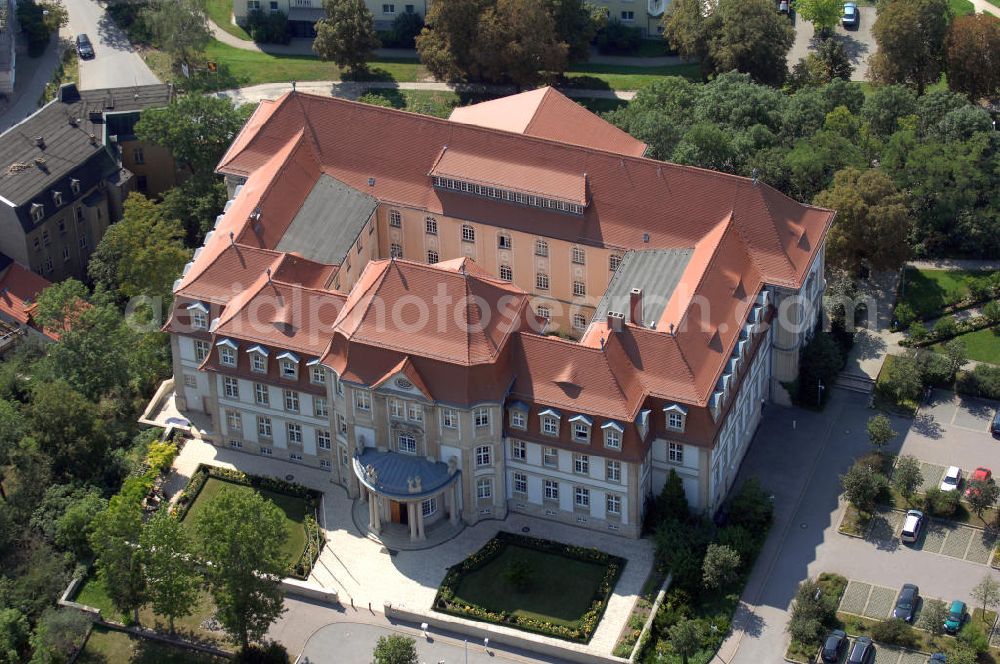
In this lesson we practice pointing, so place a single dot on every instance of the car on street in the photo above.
(956, 616)
(981, 474)
(937, 658)
(995, 425)
(834, 644)
(911, 526)
(83, 47)
(907, 602)
(952, 478)
(852, 16)
(863, 651)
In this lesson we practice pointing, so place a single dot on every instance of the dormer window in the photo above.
(199, 315)
(676, 417)
(227, 352)
(57, 198)
(74, 186)
(519, 415)
(258, 359)
(317, 375)
(581, 428)
(288, 363)
(550, 422)
(613, 435)
(37, 212)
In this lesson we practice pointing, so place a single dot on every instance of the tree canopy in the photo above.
(346, 35)
(180, 27)
(823, 14)
(972, 49)
(910, 35)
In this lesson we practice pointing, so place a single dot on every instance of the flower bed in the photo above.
(580, 629)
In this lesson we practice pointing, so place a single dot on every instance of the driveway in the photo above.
(116, 63)
(859, 42)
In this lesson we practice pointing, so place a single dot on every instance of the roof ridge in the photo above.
(781, 246)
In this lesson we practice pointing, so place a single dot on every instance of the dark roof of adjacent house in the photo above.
(655, 271)
(331, 217)
(41, 152)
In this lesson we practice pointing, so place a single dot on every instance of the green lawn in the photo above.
(982, 345)
(928, 291)
(294, 509)
(616, 77)
(962, 7)
(220, 12)
(560, 590)
(108, 646)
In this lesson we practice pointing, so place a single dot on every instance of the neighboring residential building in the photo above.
(303, 14)
(8, 55)
(19, 290)
(68, 169)
(643, 14)
(309, 327)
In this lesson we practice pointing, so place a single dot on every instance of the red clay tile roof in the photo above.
(19, 290)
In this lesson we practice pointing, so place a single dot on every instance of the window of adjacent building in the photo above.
(396, 408)
(341, 424)
(36, 244)
(320, 407)
(48, 265)
(429, 507)
(406, 443)
(46, 240)
(506, 273)
(550, 456)
(579, 321)
(388, 9)
(294, 432)
(141, 183)
(57, 198)
(551, 488)
(613, 470)
(550, 426)
(518, 450)
(431, 225)
(261, 395)
(504, 241)
(199, 319)
(322, 439)
(675, 420)
(518, 419)
(520, 483)
(190, 380)
(266, 451)
(74, 186)
(137, 156)
(236, 444)
(65, 253)
(294, 456)
(484, 455)
(581, 464)
(449, 418)
(612, 439)
(396, 250)
(289, 369)
(581, 496)
(432, 257)
(614, 504)
(338, 386)
(357, 246)
(542, 281)
(258, 363)
(227, 356)
(415, 412)
(395, 218)
(675, 453)
(324, 463)
(481, 417)
(317, 375)
(614, 261)
(292, 401)
(484, 488)
(581, 432)
(628, 16)
(264, 426)
(83, 242)
(409, 9)
(362, 400)
(468, 233)
(541, 248)
(543, 312)
(579, 289)
(62, 227)
(233, 421)
(578, 255)
(37, 212)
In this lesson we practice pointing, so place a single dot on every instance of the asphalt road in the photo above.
(116, 63)
(859, 42)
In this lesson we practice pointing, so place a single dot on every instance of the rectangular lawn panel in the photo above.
(293, 507)
(560, 590)
(928, 291)
(105, 646)
(981, 345)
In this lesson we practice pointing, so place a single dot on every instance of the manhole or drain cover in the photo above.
(289, 477)
(526, 529)
(803, 526)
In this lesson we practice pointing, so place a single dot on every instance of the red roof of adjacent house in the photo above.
(19, 290)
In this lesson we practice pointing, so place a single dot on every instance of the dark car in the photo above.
(906, 603)
(83, 47)
(937, 658)
(852, 15)
(835, 642)
(863, 651)
(995, 425)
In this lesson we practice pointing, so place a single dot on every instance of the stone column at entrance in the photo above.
(374, 521)
(411, 518)
(454, 505)
(420, 520)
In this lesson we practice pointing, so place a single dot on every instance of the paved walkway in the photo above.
(956, 263)
(874, 341)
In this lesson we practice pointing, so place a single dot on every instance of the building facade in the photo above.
(303, 14)
(458, 321)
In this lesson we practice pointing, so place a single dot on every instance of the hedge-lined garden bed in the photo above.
(296, 501)
(532, 584)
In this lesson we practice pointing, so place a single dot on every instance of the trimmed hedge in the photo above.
(315, 541)
(159, 458)
(443, 602)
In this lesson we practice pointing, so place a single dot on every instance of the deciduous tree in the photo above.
(720, 567)
(685, 638)
(880, 432)
(172, 578)
(987, 593)
(180, 27)
(346, 35)
(395, 649)
(753, 39)
(910, 35)
(823, 14)
(688, 29)
(863, 486)
(67, 427)
(907, 476)
(119, 559)
(972, 53)
(957, 355)
(981, 496)
(935, 612)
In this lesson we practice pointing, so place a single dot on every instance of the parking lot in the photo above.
(858, 42)
(945, 538)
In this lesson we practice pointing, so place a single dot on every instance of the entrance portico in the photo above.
(407, 490)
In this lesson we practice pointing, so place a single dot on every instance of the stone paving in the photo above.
(868, 600)
(941, 537)
(932, 475)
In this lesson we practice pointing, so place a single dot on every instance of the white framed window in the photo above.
(541, 248)
(322, 439)
(628, 16)
(395, 218)
(317, 375)
(199, 319)
(289, 369)
(236, 444)
(612, 439)
(233, 420)
(579, 321)
(258, 363)
(581, 432)
(433, 257)
(389, 9)
(543, 312)
(614, 504)
(37, 212)
(362, 401)
(506, 274)
(264, 426)
(481, 417)
(550, 457)
(518, 450)
(320, 407)
(541, 281)
(324, 464)
(201, 350)
(551, 490)
(231, 387)
(74, 186)
(675, 420)
(581, 464)
(518, 419)
(292, 401)
(614, 260)
(396, 408)
(520, 483)
(415, 412)
(449, 418)
(468, 233)
(581, 496)
(613, 470)
(484, 455)
(406, 444)
(579, 289)
(675, 453)
(579, 256)
(504, 241)
(431, 226)
(190, 380)
(396, 250)
(429, 507)
(484, 488)
(550, 426)
(341, 424)
(294, 431)
(261, 394)
(266, 451)
(338, 386)
(227, 356)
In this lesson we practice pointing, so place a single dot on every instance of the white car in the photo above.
(951, 479)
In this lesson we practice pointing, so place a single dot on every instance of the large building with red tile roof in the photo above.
(19, 291)
(496, 312)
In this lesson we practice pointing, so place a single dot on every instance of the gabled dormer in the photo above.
(288, 365)
(517, 413)
(550, 419)
(581, 428)
(676, 417)
(227, 352)
(258, 358)
(613, 432)
(317, 372)
(198, 313)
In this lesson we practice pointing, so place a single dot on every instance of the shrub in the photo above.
(616, 37)
(896, 632)
(752, 508)
(268, 27)
(864, 487)
(934, 369)
(986, 381)
(980, 289)
(265, 653)
(404, 31)
(992, 311)
(395, 649)
(720, 568)
(672, 502)
(812, 613)
(946, 326)
(744, 541)
(918, 331)
(905, 315)
(972, 636)
(941, 503)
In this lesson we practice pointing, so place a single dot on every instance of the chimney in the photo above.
(635, 306)
(616, 321)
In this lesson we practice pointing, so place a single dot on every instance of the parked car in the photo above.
(952, 478)
(83, 47)
(863, 651)
(995, 425)
(852, 16)
(956, 616)
(984, 475)
(937, 658)
(907, 602)
(835, 642)
(783, 6)
(912, 524)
